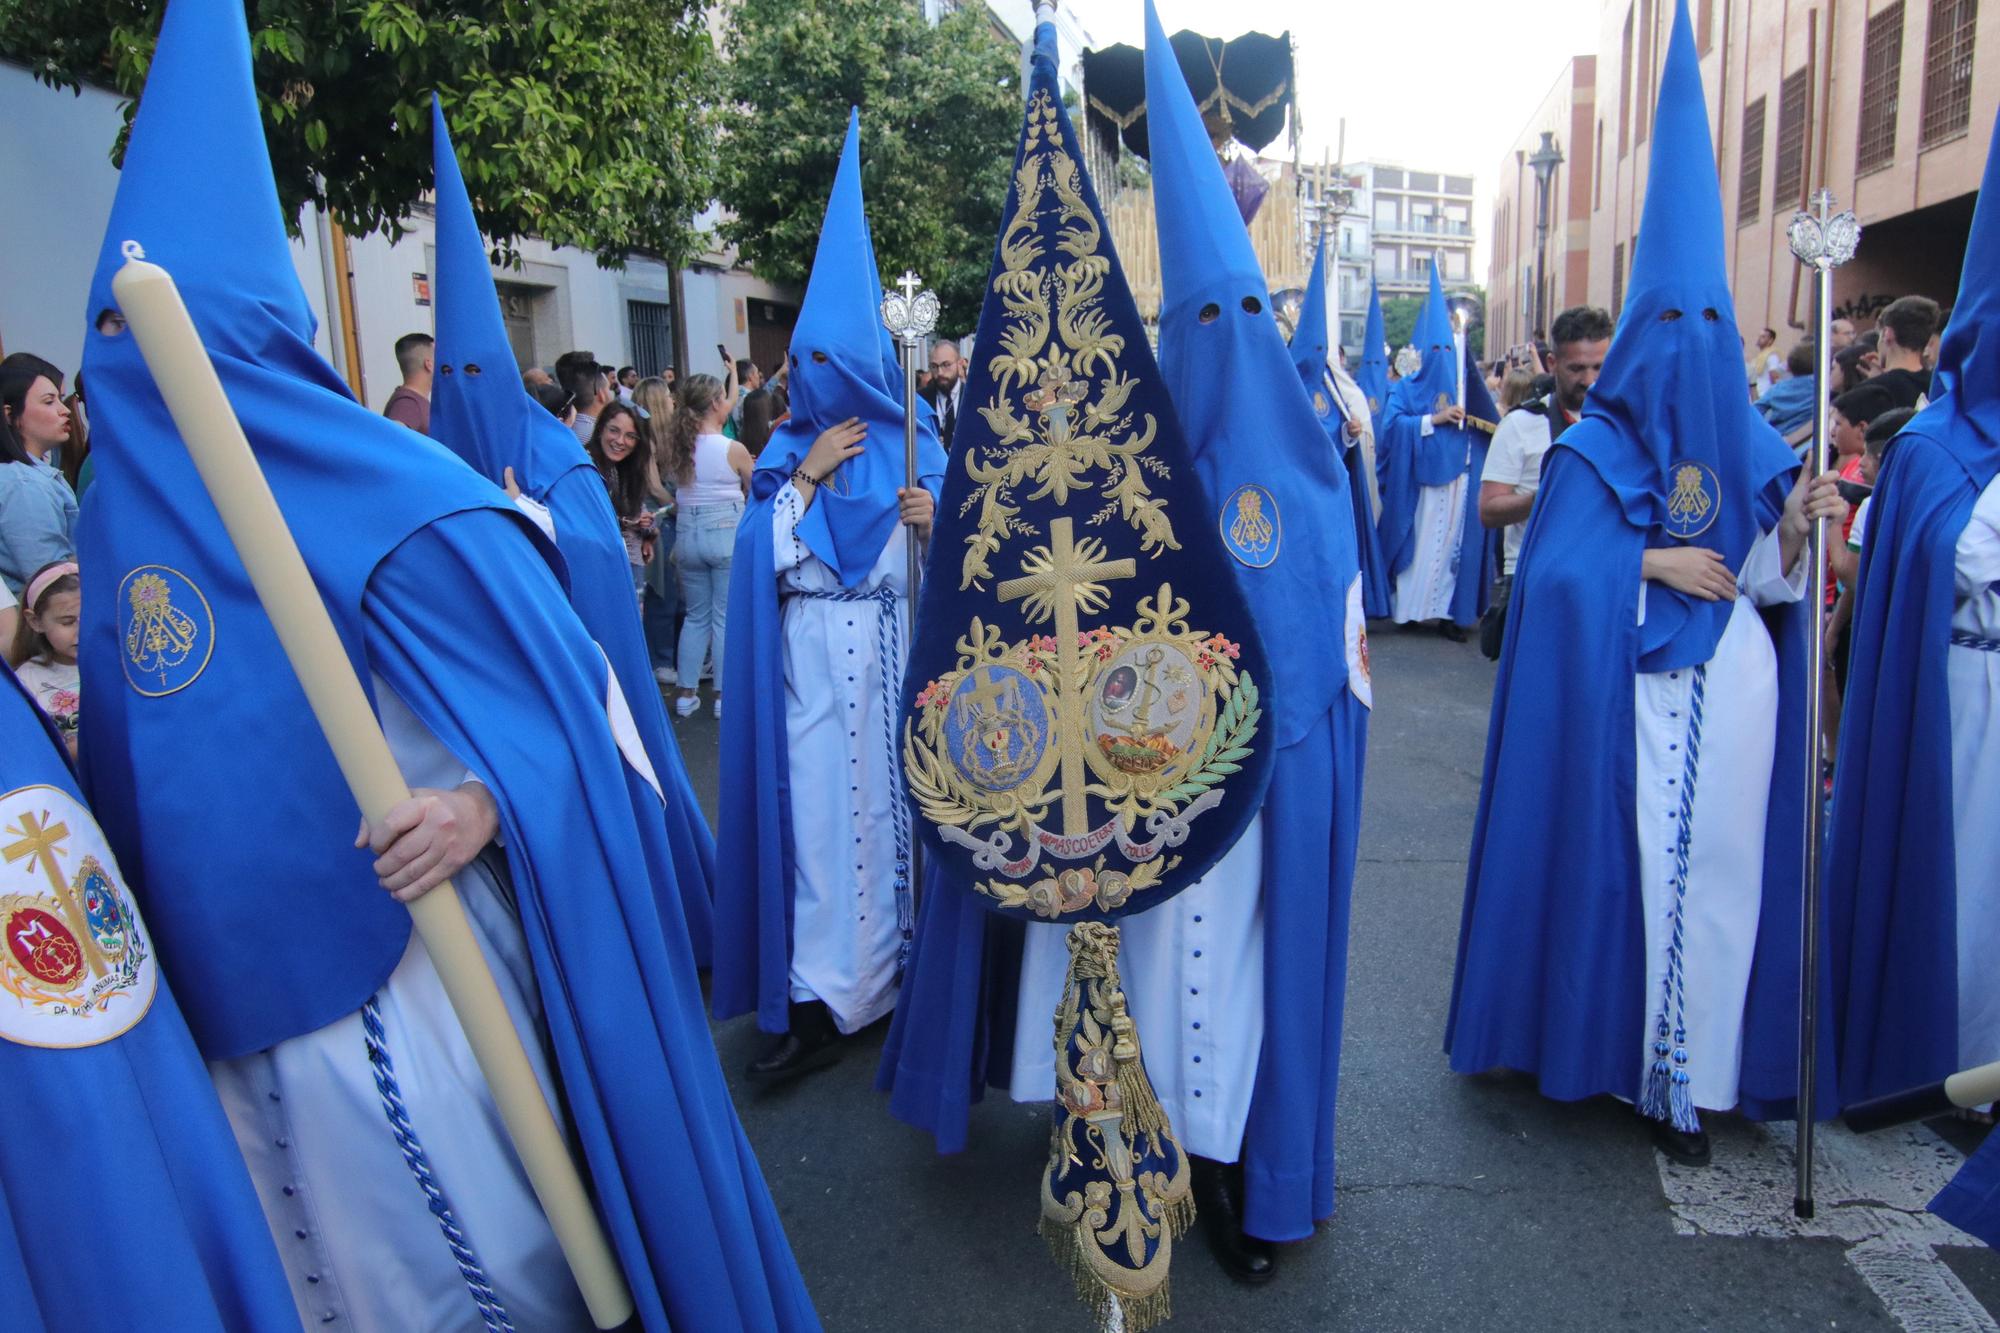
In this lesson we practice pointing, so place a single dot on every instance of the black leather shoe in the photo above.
(1680, 1146)
(812, 1043)
(1454, 633)
(1218, 1193)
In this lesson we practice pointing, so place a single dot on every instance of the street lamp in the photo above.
(1545, 161)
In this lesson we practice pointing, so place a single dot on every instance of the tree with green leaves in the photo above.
(1399, 321)
(940, 112)
(583, 122)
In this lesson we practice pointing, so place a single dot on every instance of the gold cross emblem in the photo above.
(1056, 581)
(37, 841)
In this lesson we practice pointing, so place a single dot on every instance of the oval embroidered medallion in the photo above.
(1251, 528)
(1693, 500)
(169, 630)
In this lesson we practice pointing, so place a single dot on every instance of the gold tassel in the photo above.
(1116, 1193)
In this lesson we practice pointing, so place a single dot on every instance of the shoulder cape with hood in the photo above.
(842, 365)
(1891, 865)
(1551, 961)
(481, 413)
(220, 795)
(116, 1129)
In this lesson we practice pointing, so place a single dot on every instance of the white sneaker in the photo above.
(718, 708)
(665, 675)
(685, 705)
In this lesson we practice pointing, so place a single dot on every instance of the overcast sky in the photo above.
(1435, 84)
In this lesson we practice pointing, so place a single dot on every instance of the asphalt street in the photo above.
(1464, 1203)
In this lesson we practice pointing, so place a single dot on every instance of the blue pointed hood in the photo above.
(197, 193)
(1373, 366)
(1668, 425)
(1310, 350)
(1257, 442)
(480, 410)
(1437, 380)
(843, 365)
(1968, 364)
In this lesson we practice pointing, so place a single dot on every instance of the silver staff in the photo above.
(1822, 240)
(910, 314)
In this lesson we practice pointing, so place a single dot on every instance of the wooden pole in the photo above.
(201, 412)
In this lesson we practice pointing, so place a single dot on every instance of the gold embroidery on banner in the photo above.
(1055, 426)
(1150, 718)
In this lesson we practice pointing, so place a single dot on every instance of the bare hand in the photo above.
(509, 485)
(1694, 570)
(916, 508)
(424, 841)
(1819, 500)
(1353, 430)
(835, 445)
(1448, 416)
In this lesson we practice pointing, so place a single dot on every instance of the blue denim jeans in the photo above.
(707, 543)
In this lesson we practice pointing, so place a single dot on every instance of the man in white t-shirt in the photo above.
(1514, 460)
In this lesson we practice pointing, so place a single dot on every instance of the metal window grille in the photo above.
(1750, 177)
(1617, 279)
(652, 327)
(1881, 85)
(1948, 71)
(1794, 95)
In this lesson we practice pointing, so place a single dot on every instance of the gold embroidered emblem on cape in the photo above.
(76, 966)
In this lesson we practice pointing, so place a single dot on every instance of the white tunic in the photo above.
(359, 1244)
(1423, 591)
(1974, 682)
(1193, 970)
(849, 824)
(1725, 867)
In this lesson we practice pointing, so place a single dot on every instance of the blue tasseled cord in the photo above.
(483, 1296)
(1667, 1094)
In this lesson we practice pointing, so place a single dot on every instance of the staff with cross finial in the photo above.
(1822, 240)
(910, 314)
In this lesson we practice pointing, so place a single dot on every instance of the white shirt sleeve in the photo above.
(1978, 553)
(1857, 532)
(1763, 582)
(1424, 426)
(538, 514)
(789, 507)
(1506, 459)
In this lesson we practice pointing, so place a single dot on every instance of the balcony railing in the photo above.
(1425, 227)
(1418, 277)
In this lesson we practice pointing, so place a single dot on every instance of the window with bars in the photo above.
(1617, 279)
(1750, 174)
(1794, 97)
(1948, 71)
(1881, 85)
(1625, 88)
(651, 326)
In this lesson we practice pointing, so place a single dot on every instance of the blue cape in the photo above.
(1408, 460)
(128, 1135)
(1550, 976)
(1309, 356)
(481, 412)
(216, 784)
(1971, 1202)
(1892, 869)
(839, 370)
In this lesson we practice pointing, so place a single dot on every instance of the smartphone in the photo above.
(1854, 492)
